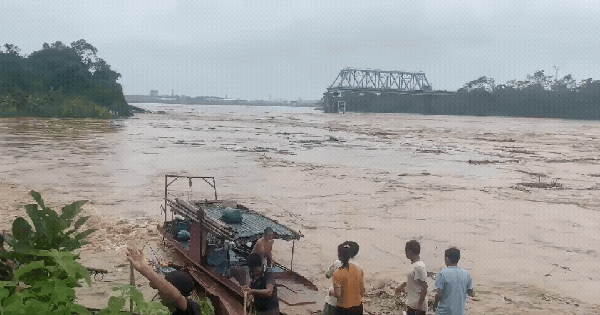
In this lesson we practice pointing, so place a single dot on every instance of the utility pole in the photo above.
(556, 73)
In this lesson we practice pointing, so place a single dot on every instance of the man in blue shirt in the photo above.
(452, 284)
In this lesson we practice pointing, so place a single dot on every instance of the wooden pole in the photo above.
(166, 185)
(200, 217)
(132, 283)
(245, 298)
(292, 263)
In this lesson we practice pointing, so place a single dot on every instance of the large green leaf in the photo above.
(62, 293)
(79, 310)
(84, 234)
(44, 288)
(36, 217)
(54, 226)
(67, 261)
(69, 212)
(136, 296)
(13, 304)
(10, 239)
(80, 222)
(4, 292)
(206, 306)
(38, 198)
(33, 306)
(27, 268)
(21, 229)
(115, 304)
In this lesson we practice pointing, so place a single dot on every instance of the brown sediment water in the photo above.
(519, 196)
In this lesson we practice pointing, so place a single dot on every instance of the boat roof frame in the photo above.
(289, 235)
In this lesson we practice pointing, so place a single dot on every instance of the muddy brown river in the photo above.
(519, 196)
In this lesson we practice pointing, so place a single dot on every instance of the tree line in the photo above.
(59, 81)
(539, 95)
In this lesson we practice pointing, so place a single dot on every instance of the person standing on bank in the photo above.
(416, 284)
(172, 289)
(262, 287)
(330, 300)
(452, 284)
(348, 284)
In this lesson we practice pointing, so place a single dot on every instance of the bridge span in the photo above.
(351, 84)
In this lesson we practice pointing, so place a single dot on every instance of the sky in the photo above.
(294, 50)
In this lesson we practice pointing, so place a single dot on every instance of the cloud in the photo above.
(296, 48)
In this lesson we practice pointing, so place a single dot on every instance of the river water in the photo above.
(380, 179)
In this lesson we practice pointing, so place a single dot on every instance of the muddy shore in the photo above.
(518, 196)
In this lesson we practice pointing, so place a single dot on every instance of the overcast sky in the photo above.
(295, 49)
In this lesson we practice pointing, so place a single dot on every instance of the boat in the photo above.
(216, 251)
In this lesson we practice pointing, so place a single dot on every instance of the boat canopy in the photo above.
(250, 229)
(253, 224)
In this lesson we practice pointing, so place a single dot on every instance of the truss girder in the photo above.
(366, 79)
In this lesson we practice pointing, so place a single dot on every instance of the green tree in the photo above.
(12, 49)
(481, 84)
(539, 78)
(60, 66)
(86, 51)
(60, 80)
(566, 84)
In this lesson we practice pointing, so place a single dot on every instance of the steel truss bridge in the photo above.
(379, 81)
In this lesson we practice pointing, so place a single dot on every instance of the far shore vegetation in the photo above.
(60, 81)
(540, 95)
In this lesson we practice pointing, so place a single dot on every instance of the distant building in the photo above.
(154, 93)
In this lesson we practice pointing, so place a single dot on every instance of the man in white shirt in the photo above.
(416, 284)
(452, 284)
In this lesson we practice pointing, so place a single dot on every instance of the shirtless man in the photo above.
(264, 246)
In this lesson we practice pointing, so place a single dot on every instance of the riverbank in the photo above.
(106, 250)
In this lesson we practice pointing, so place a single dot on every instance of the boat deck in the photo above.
(297, 295)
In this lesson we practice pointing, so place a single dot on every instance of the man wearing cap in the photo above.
(172, 289)
(264, 247)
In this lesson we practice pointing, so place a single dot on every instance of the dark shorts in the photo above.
(328, 309)
(412, 311)
(355, 310)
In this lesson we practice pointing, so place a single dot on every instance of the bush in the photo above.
(47, 269)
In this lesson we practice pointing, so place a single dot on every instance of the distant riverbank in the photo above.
(217, 101)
